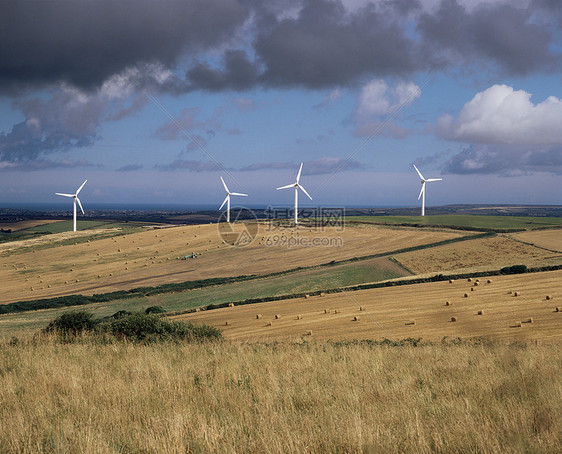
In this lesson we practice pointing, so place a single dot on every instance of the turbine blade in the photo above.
(78, 200)
(292, 185)
(64, 195)
(224, 184)
(304, 190)
(419, 173)
(422, 190)
(434, 179)
(225, 200)
(80, 188)
(237, 193)
(299, 174)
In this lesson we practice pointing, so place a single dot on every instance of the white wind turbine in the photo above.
(76, 199)
(422, 192)
(296, 185)
(227, 200)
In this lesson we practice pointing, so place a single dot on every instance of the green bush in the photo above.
(515, 269)
(72, 323)
(154, 310)
(139, 327)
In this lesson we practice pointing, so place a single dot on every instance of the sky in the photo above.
(153, 101)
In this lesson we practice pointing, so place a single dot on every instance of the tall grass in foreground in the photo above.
(312, 397)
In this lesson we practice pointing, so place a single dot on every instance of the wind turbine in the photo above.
(76, 199)
(296, 185)
(227, 199)
(422, 192)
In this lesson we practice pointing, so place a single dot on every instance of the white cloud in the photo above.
(377, 98)
(502, 115)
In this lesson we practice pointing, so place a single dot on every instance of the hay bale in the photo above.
(469, 279)
(557, 309)
(548, 297)
(258, 316)
(326, 311)
(466, 295)
(451, 281)
(471, 289)
(322, 294)
(230, 304)
(480, 312)
(307, 296)
(268, 324)
(516, 293)
(476, 283)
(356, 318)
(361, 308)
(309, 332)
(299, 317)
(335, 311)
(489, 281)
(529, 320)
(226, 323)
(448, 303)
(509, 292)
(277, 316)
(453, 319)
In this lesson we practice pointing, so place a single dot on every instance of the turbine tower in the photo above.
(422, 192)
(76, 199)
(227, 200)
(296, 185)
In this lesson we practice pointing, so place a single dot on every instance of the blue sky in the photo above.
(153, 101)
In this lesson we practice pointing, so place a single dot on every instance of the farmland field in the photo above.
(477, 255)
(389, 312)
(548, 239)
(466, 221)
(151, 257)
(22, 225)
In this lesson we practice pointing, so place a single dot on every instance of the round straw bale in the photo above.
(322, 294)
(230, 304)
(309, 333)
(557, 309)
(451, 281)
(268, 324)
(227, 323)
(469, 279)
(299, 317)
(548, 297)
(453, 319)
(277, 316)
(361, 308)
(489, 281)
(516, 293)
(258, 316)
(530, 320)
(471, 289)
(476, 283)
(356, 318)
(326, 311)
(307, 296)
(466, 295)
(509, 292)
(335, 311)
(480, 312)
(448, 303)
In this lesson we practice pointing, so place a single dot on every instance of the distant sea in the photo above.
(42, 207)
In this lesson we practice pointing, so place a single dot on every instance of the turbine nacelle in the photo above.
(296, 185)
(75, 199)
(422, 191)
(227, 199)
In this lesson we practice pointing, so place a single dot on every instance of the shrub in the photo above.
(514, 269)
(154, 310)
(139, 327)
(72, 323)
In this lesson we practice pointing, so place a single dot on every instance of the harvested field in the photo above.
(151, 257)
(476, 255)
(548, 239)
(21, 225)
(388, 312)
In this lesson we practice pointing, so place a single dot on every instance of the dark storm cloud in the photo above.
(506, 160)
(501, 34)
(84, 42)
(240, 44)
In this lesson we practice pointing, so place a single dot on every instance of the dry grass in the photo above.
(386, 310)
(313, 397)
(20, 225)
(476, 255)
(150, 257)
(549, 239)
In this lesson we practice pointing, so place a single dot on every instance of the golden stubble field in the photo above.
(549, 239)
(151, 257)
(478, 255)
(513, 308)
